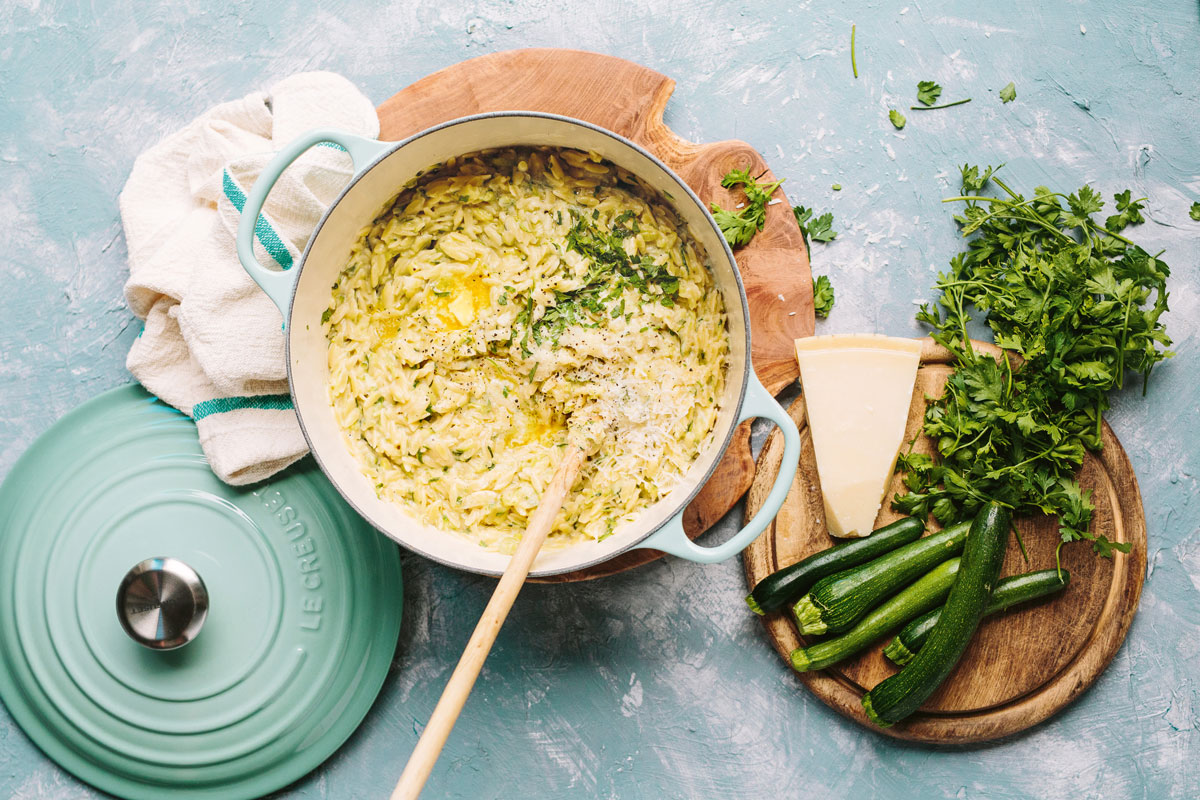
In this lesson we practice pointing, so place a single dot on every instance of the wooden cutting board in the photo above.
(629, 99)
(1023, 665)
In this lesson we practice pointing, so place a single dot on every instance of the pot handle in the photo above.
(278, 283)
(671, 537)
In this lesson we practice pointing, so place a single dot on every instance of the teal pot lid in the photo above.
(303, 609)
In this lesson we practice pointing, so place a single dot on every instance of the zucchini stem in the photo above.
(800, 660)
(754, 606)
(871, 715)
(895, 651)
(808, 617)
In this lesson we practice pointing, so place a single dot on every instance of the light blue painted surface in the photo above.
(658, 683)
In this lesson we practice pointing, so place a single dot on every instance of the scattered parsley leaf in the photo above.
(739, 225)
(1080, 306)
(1129, 212)
(928, 92)
(1194, 211)
(897, 118)
(1008, 93)
(822, 296)
(819, 229)
(325, 315)
(737, 177)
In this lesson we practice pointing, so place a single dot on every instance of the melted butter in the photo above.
(456, 302)
(388, 327)
(535, 429)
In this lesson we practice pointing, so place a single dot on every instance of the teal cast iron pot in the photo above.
(303, 293)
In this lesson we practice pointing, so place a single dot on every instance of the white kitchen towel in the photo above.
(213, 341)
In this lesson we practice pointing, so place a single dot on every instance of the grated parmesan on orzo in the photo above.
(499, 293)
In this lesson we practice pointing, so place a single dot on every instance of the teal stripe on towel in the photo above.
(219, 405)
(262, 228)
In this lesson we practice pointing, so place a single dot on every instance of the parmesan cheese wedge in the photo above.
(857, 389)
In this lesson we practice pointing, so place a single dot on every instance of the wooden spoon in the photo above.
(433, 738)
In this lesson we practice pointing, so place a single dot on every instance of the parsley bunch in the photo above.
(1076, 306)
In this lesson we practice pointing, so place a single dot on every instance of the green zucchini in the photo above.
(903, 693)
(835, 603)
(785, 586)
(1008, 593)
(928, 592)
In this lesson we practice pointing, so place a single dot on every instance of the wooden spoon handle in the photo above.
(454, 696)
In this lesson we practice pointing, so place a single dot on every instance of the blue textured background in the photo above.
(658, 683)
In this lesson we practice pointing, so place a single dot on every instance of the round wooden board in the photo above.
(1022, 666)
(630, 99)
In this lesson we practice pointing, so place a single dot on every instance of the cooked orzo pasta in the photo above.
(497, 295)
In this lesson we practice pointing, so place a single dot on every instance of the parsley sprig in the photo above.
(928, 93)
(818, 229)
(739, 225)
(1076, 306)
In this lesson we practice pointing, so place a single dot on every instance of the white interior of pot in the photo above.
(327, 256)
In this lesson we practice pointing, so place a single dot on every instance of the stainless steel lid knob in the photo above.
(162, 603)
